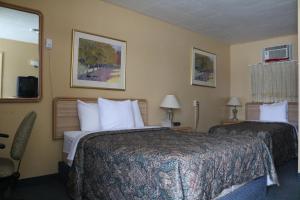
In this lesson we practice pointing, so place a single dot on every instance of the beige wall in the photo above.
(17, 56)
(158, 63)
(244, 54)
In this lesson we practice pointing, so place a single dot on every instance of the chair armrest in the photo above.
(4, 135)
(2, 146)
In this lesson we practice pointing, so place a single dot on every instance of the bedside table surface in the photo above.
(230, 121)
(182, 128)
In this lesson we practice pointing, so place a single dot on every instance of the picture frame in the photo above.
(98, 61)
(203, 70)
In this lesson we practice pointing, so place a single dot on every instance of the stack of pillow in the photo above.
(109, 115)
(276, 112)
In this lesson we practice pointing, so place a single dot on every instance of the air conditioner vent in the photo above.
(277, 53)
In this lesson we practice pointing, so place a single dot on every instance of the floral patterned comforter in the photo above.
(161, 164)
(281, 138)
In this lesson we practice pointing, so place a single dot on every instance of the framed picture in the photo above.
(98, 61)
(203, 68)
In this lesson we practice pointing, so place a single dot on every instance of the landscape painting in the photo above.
(98, 62)
(203, 68)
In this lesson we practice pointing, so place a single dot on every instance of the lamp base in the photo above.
(166, 123)
(234, 112)
(169, 118)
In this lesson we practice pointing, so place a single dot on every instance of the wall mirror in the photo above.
(20, 54)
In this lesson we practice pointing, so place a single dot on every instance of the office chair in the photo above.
(8, 174)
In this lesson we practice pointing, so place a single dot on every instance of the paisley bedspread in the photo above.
(281, 138)
(161, 164)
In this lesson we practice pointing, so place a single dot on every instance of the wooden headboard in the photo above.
(252, 112)
(65, 117)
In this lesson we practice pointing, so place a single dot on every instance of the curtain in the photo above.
(277, 81)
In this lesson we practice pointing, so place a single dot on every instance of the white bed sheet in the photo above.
(71, 139)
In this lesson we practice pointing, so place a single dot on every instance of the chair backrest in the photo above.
(22, 136)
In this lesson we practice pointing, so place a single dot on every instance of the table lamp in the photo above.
(170, 102)
(234, 102)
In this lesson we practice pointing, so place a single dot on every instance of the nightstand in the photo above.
(229, 121)
(183, 129)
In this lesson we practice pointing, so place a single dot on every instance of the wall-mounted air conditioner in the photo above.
(277, 53)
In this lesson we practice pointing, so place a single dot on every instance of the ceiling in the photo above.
(18, 25)
(231, 21)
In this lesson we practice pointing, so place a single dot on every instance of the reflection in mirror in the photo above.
(20, 66)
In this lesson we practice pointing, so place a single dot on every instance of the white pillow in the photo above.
(276, 112)
(115, 114)
(88, 116)
(138, 120)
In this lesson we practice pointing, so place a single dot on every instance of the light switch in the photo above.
(49, 44)
(195, 103)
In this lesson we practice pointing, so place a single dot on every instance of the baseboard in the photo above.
(36, 180)
(62, 174)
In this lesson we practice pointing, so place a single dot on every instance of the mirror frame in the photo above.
(41, 39)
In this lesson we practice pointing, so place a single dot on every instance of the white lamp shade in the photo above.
(234, 101)
(170, 101)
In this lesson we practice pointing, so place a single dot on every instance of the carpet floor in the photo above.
(52, 188)
(289, 181)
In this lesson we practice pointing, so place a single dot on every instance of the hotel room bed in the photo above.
(280, 137)
(162, 164)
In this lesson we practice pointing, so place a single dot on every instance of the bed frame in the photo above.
(252, 112)
(65, 117)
